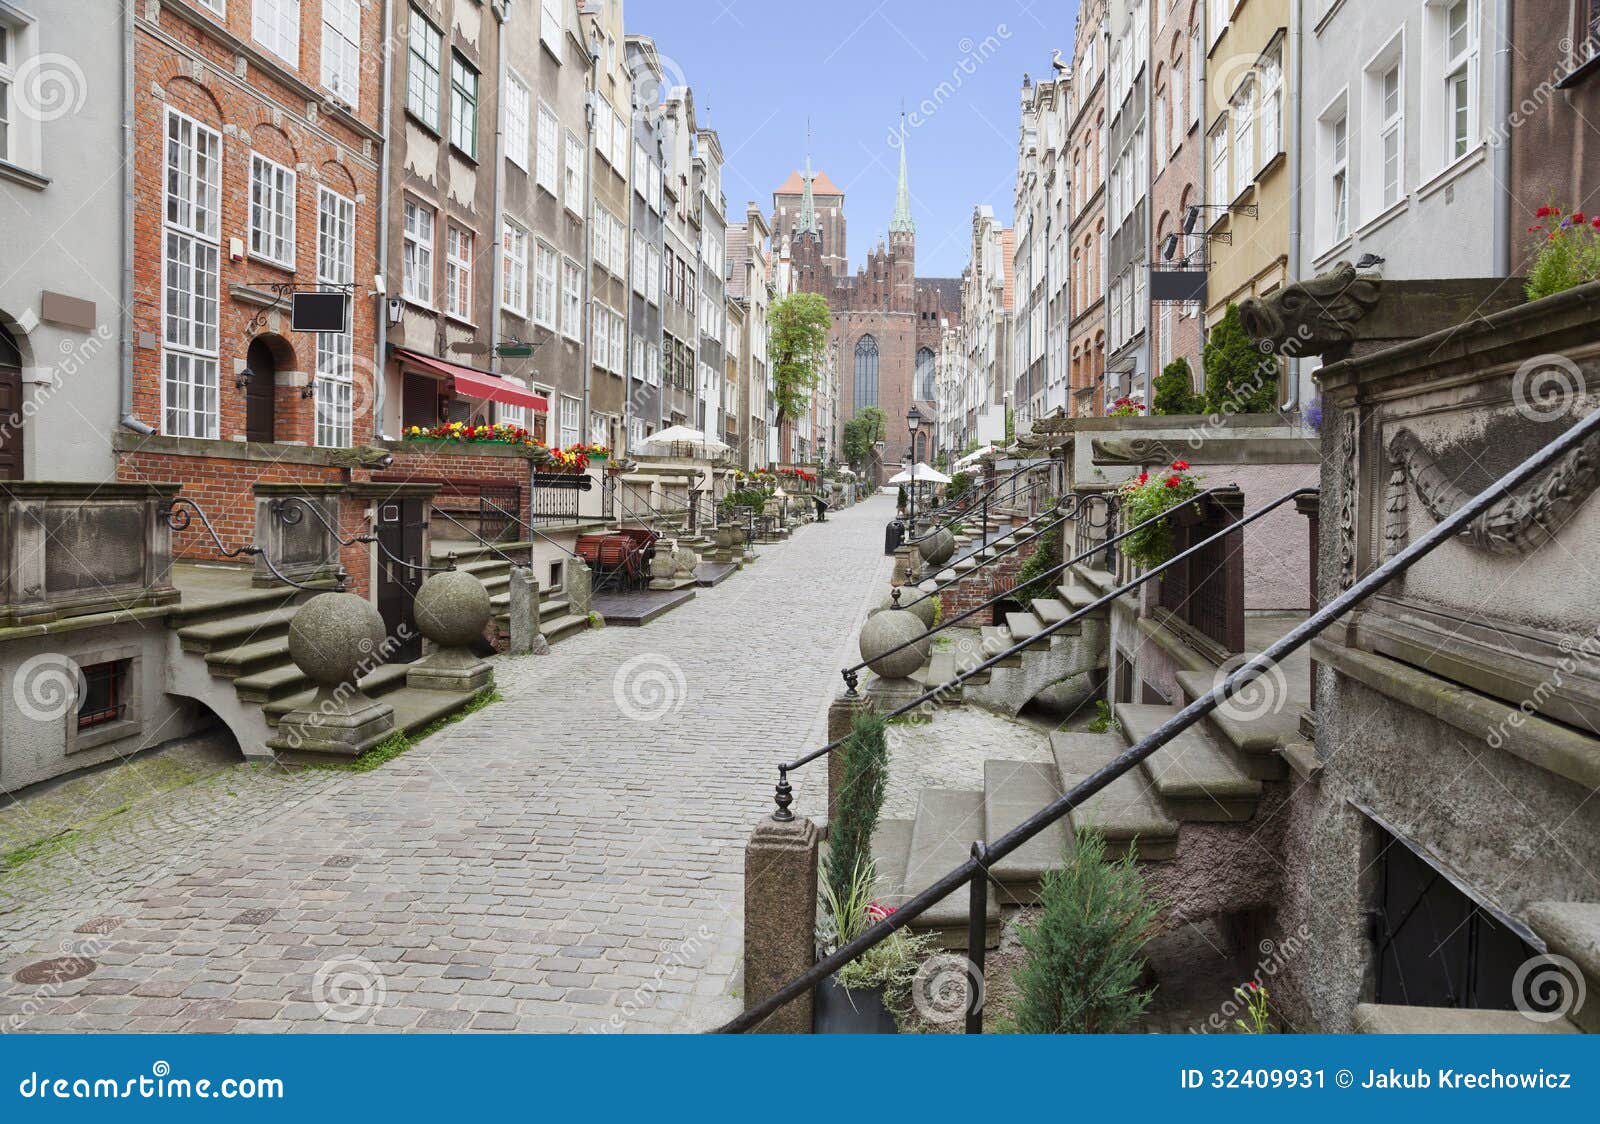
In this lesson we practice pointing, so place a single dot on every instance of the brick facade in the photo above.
(981, 584)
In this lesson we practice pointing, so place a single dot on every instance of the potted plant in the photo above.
(863, 996)
(1148, 495)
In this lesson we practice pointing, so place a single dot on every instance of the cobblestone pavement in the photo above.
(569, 858)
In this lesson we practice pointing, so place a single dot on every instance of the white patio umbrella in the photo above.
(919, 473)
(684, 435)
(976, 454)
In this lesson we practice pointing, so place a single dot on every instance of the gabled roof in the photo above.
(796, 184)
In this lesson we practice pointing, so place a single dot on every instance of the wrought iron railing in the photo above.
(1206, 593)
(1045, 522)
(177, 517)
(974, 873)
(291, 512)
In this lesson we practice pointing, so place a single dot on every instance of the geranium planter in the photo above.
(845, 1010)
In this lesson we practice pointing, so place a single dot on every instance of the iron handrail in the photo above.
(971, 498)
(981, 505)
(1060, 513)
(985, 854)
(291, 516)
(483, 542)
(849, 673)
(179, 520)
(516, 521)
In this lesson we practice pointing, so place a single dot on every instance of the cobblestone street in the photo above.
(569, 858)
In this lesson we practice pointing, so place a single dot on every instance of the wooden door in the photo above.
(260, 423)
(401, 526)
(11, 432)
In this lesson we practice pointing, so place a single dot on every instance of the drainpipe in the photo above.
(497, 271)
(1292, 114)
(587, 319)
(125, 357)
(1502, 151)
(380, 335)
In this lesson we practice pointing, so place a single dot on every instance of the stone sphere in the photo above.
(335, 636)
(912, 601)
(887, 630)
(937, 548)
(451, 609)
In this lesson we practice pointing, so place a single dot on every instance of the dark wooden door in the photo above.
(260, 421)
(401, 527)
(11, 433)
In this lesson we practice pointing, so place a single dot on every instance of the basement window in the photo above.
(105, 694)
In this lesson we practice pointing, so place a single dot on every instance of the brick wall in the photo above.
(426, 463)
(981, 584)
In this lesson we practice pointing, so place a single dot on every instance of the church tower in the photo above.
(806, 246)
(903, 237)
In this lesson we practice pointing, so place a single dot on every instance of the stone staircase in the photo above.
(557, 621)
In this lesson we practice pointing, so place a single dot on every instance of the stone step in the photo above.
(1196, 777)
(1384, 1018)
(997, 640)
(377, 683)
(415, 710)
(947, 823)
(1027, 628)
(249, 657)
(891, 848)
(968, 654)
(1103, 580)
(1127, 812)
(230, 632)
(1076, 596)
(1572, 929)
(939, 675)
(235, 604)
(273, 683)
(484, 568)
(1257, 724)
(553, 608)
(1013, 791)
(563, 626)
(1050, 611)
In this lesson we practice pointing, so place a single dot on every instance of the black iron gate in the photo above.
(1435, 946)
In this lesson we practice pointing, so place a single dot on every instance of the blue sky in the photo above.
(760, 68)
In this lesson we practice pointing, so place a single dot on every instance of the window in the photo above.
(1271, 110)
(925, 368)
(600, 329)
(636, 359)
(458, 248)
(546, 267)
(1338, 132)
(190, 259)
(653, 276)
(271, 211)
(517, 124)
(426, 48)
(619, 335)
(105, 692)
(548, 171)
(866, 372)
(574, 174)
(463, 106)
(1197, 64)
(571, 299)
(600, 238)
(619, 145)
(1219, 164)
(1391, 137)
(550, 25)
(1160, 114)
(1175, 83)
(602, 127)
(599, 429)
(652, 364)
(639, 263)
(335, 372)
(1461, 77)
(416, 261)
(1244, 158)
(619, 248)
(8, 148)
(514, 269)
(276, 27)
(341, 49)
(641, 172)
(655, 187)
(1218, 11)
(571, 420)
(336, 238)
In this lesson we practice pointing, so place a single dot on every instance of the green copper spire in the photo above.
(807, 223)
(902, 222)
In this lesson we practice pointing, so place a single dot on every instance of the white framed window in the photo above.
(513, 415)
(655, 186)
(1244, 135)
(275, 24)
(1219, 165)
(573, 174)
(8, 73)
(1384, 152)
(190, 279)
(619, 248)
(600, 236)
(571, 299)
(463, 106)
(341, 50)
(1454, 27)
(335, 373)
(1270, 113)
(1160, 114)
(600, 325)
(639, 263)
(514, 269)
(571, 421)
(1217, 12)
(619, 345)
(458, 258)
(653, 276)
(416, 253)
(272, 197)
(517, 122)
(548, 168)
(652, 364)
(636, 359)
(1197, 70)
(551, 26)
(1334, 142)
(602, 127)
(425, 51)
(619, 144)
(599, 429)
(1180, 123)
(641, 172)
(546, 268)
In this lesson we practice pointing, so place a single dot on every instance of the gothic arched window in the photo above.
(925, 380)
(866, 372)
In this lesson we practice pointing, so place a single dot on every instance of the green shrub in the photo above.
(1046, 556)
(855, 815)
(1239, 378)
(1085, 950)
(960, 484)
(1175, 391)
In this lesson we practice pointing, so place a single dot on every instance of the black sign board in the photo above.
(1178, 285)
(321, 312)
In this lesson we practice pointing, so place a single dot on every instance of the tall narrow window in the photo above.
(571, 420)
(190, 258)
(271, 211)
(463, 106)
(925, 371)
(866, 372)
(416, 282)
(514, 269)
(548, 171)
(276, 26)
(8, 75)
(1391, 134)
(550, 26)
(341, 50)
(546, 267)
(1244, 158)
(458, 258)
(1339, 182)
(336, 244)
(425, 46)
(1271, 112)
(571, 299)
(574, 174)
(1180, 124)
(1219, 165)
(517, 123)
(1461, 77)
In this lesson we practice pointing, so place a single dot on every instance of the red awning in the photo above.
(477, 384)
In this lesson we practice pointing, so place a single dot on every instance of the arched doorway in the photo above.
(260, 405)
(11, 437)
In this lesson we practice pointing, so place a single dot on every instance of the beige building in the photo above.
(610, 153)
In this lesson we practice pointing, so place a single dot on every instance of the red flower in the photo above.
(1578, 218)
(1181, 466)
(1174, 481)
(1546, 212)
(1595, 222)
(1253, 986)
(1144, 478)
(876, 912)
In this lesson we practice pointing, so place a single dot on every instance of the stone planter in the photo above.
(849, 1010)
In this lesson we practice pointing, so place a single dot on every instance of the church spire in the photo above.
(807, 223)
(902, 222)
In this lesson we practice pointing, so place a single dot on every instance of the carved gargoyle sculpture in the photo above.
(1315, 317)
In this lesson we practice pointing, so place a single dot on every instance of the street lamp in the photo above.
(913, 423)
